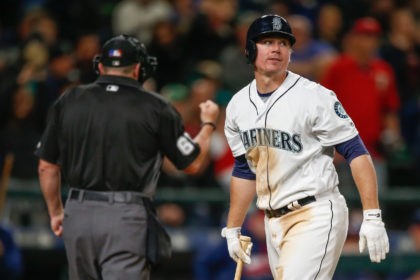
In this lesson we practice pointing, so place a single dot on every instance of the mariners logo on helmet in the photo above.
(276, 24)
(266, 25)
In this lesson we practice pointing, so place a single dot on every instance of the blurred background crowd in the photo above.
(366, 51)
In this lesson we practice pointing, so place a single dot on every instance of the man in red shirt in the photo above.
(365, 85)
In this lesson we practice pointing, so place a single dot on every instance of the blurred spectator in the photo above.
(305, 8)
(33, 72)
(172, 214)
(202, 88)
(62, 73)
(235, 70)
(177, 94)
(365, 84)
(82, 16)
(310, 57)
(211, 30)
(381, 10)
(46, 27)
(86, 47)
(329, 25)
(212, 259)
(207, 85)
(27, 23)
(221, 155)
(352, 10)
(137, 17)
(19, 136)
(168, 46)
(183, 13)
(185, 100)
(402, 51)
(35, 56)
(216, 173)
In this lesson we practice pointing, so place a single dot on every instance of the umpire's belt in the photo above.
(289, 207)
(110, 196)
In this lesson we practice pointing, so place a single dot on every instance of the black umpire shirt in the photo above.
(111, 135)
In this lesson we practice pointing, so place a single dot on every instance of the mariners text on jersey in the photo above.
(272, 138)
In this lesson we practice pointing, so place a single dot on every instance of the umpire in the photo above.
(108, 139)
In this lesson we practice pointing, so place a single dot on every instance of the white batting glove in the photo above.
(373, 235)
(234, 245)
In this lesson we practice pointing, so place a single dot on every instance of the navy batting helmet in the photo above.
(124, 50)
(264, 26)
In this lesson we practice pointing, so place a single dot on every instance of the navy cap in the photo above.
(268, 25)
(119, 51)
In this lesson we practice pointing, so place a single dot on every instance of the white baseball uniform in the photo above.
(289, 140)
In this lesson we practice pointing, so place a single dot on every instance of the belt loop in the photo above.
(81, 196)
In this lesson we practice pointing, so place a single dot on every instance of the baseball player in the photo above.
(283, 131)
(107, 139)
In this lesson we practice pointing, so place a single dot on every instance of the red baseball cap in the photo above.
(366, 25)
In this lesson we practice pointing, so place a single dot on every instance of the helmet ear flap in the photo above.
(148, 63)
(250, 51)
(148, 68)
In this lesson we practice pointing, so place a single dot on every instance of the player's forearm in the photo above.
(364, 176)
(49, 179)
(242, 193)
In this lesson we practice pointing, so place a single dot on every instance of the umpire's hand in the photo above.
(209, 112)
(56, 223)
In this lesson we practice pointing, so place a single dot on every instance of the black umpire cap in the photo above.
(119, 52)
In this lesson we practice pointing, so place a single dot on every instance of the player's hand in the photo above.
(234, 245)
(209, 111)
(373, 235)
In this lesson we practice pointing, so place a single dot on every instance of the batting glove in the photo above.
(234, 245)
(373, 235)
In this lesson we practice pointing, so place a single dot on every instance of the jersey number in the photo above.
(184, 145)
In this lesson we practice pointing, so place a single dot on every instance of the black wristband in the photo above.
(209, 123)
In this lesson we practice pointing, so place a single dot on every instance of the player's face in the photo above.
(273, 55)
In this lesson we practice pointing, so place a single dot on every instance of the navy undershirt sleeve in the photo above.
(352, 148)
(241, 169)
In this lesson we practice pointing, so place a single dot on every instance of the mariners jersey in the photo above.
(288, 139)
